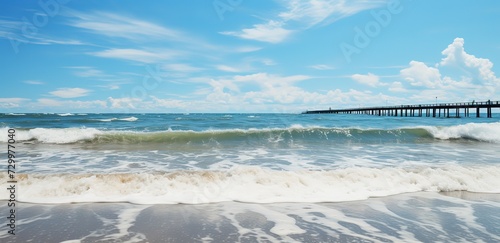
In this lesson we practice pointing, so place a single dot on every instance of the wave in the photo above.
(485, 132)
(252, 184)
(16, 114)
(488, 132)
(131, 119)
(65, 114)
(54, 135)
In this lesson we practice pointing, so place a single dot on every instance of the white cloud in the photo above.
(397, 87)
(271, 32)
(313, 12)
(70, 92)
(171, 103)
(12, 102)
(87, 72)
(70, 105)
(303, 14)
(124, 103)
(266, 80)
(129, 28)
(110, 87)
(273, 88)
(247, 49)
(322, 67)
(370, 79)
(419, 74)
(455, 56)
(226, 68)
(181, 67)
(268, 62)
(459, 76)
(49, 102)
(138, 55)
(114, 25)
(13, 30)
(35, 82)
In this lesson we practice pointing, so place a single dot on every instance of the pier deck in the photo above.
(429, 110)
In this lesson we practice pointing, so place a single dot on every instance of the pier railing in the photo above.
(434, 110)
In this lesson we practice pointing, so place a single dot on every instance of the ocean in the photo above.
(252, 178)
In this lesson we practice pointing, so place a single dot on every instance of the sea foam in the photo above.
(488, 132)
(252, 184)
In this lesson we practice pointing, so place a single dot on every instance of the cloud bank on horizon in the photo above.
(245, 56)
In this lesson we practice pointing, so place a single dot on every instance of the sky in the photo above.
(245, 56)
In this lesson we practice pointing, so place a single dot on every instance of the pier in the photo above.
(454, 110)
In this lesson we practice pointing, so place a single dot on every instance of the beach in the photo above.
(250, 178)
(413, 217)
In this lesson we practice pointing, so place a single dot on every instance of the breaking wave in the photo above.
(485, 132)
(252, 184)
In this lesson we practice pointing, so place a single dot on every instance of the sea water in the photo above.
(159, 159)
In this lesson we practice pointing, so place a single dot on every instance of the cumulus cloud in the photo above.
(397, 87)
(370, 79)
(419, 74)
(455, 76)
(455, 56)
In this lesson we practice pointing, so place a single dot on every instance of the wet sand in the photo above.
(413, 217)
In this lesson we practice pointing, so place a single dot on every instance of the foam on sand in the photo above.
(252, 184)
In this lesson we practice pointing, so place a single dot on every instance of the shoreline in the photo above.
(422, 216)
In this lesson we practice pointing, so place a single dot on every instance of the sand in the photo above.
(413, 217)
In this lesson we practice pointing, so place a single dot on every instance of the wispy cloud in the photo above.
(133, 29)
(181, 67)
(35, 82)
(114, 25)
(244, 49)
(314, 12)
(88, 72)
(138, 55)
(70, 92)
(300, 15)
(8, 28)
(271, 32)
(322, 67)
(226, 68)
(14, 31)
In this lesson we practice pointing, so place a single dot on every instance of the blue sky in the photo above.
(245, 56)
